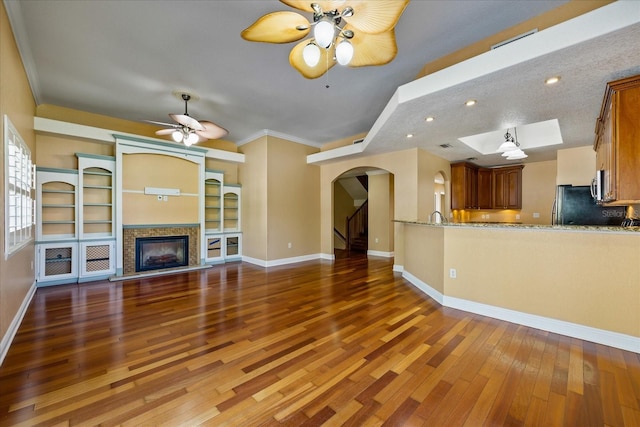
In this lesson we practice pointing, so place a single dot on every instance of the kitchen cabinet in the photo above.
(507, 187)
(485, 188)
(464, 186)
(473, 187)
(617, 142)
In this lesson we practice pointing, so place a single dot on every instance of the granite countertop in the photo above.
(581, 228)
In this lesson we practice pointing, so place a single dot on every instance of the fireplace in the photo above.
(155, 253)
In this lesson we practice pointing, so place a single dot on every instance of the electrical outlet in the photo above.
(536, 215)
(165, 198)
(289, 245)
(517, 216)
(376, 240)
(453, 273)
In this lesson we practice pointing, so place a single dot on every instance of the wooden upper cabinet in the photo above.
(473, 187)
(485, 188)
(617, 142)
(507, 187)
(464, 182)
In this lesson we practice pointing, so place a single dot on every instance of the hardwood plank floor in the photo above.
(317, 343)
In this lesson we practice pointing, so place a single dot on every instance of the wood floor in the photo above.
(318, 343)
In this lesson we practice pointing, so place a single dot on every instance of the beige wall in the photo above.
(591, 279)
(280, 194)
(293, 200)
(576, 166)
(17, 273)
(253, 176)
(55, 151)
(159, 171)
(342, 142)
(380, 211)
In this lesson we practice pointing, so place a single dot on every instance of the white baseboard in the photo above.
(282, 261)
(7, 339)
(380, 254)
(424, 287)
(330, 257)
(574, 330)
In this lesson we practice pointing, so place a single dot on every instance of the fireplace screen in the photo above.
(153, 253)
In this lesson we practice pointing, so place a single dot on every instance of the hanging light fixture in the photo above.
(328, 28)
(510, 148)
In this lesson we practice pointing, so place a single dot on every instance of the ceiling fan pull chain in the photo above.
(327, 73)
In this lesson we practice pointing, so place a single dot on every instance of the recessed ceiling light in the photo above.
(409, 135)
(552, 80)
(470, 102)
(428, 119)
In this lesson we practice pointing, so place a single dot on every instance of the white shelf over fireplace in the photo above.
(162, 191)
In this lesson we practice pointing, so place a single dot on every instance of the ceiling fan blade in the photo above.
(165, 131)
(161, 123)
(187, 121)
(277, 27)
(211, 131)
(297, 61)
(374, 17)
(373, 49)
(305, 5)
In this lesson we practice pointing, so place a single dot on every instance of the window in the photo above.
(19, 184)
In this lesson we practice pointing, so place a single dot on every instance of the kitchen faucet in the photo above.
(442, 218)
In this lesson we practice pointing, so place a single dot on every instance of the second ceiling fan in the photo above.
(189, 130)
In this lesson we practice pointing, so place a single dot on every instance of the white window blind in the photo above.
(19, 185)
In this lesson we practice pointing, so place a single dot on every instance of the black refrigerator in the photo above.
(574, 205)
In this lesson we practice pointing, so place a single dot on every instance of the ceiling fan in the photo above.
(189, 130)
(356, 33)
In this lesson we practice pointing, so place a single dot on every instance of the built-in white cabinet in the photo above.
(213, 185)
(233, 247)
(57, 262)
(56, 204)
(232, 214)
(214, 249)
(222, 205)
(75, 236)
(97, 259)
(95, 196)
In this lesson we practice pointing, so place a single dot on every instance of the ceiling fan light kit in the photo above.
(357, 34)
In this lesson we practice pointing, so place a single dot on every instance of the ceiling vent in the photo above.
(513, 39)
(446, 145)
(358, 141)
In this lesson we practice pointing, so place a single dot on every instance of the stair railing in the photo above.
(357, 223)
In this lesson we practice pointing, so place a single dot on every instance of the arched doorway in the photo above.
(363, 213)
(439, 197)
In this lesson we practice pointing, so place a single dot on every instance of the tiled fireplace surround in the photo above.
(130, 233)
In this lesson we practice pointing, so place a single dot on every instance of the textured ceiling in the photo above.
(124, 59)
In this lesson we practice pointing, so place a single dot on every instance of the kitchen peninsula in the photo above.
(580, 281)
